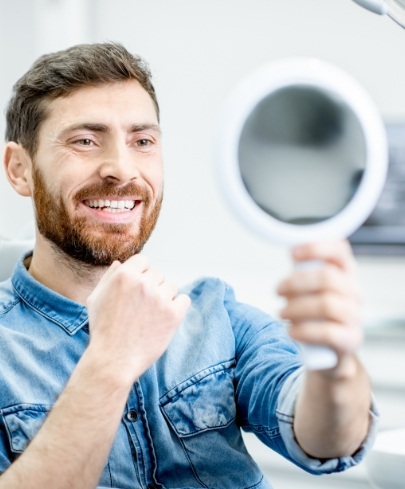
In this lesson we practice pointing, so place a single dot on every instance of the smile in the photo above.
(113, 206)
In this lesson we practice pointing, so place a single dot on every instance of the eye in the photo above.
(144, 145)
(84, 142)
(143, 142)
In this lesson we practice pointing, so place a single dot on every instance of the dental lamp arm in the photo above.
(376, 6)
(393, 8)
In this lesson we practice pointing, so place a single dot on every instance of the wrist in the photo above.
(339, 383)
(347, 368)
(112, 370)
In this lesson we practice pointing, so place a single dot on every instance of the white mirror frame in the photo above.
(327, 78)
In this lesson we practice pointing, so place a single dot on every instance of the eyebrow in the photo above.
(104, 128)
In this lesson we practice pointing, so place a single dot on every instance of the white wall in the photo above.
(198, 51)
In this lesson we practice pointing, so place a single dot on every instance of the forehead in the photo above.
(126, 101)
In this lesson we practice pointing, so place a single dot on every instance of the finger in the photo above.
(110, 270)
(326, 306)
(137, 263)
(326, 278)
(153, 277)
(168, 290)
(103, 282)
(338, 337)
(182, 303)
(336, 252)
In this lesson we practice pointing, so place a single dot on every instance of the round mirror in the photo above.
(302, 156)
(302, 152)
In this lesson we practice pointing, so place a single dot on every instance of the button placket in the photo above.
(138, 430)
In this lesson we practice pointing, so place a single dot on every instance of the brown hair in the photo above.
(59, 74)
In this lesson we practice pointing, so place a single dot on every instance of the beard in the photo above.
(95, 244)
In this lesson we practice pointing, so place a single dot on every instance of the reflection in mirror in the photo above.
(302, 154)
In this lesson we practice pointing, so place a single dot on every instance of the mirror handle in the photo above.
(316, 357)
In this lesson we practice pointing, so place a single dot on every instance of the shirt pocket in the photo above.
(203, 402)
(202, 413)
(22, 423)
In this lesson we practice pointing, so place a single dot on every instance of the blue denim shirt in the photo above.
(229, 366)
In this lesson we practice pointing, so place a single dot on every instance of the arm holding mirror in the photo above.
(332, 410)
(302, 158)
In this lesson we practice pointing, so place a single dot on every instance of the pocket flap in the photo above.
(204, 405)
(23, 423)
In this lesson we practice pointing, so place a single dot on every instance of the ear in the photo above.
(18, 167)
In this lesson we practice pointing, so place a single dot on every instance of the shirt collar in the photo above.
(67, 314)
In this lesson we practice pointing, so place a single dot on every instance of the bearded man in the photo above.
(109, 375)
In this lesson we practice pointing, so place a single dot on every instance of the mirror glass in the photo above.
(302, 154)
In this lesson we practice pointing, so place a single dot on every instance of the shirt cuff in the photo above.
(285, 415)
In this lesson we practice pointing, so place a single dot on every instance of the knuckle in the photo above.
(355, 316)
(328, 305)
(122, 277)
(333, 336)
(171, 286)
(327, 277)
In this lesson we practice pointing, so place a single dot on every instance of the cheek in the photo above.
(158, 189)
(62, 191)
(55, 188)
(155, 180)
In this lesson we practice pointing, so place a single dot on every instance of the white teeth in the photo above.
(111, 205)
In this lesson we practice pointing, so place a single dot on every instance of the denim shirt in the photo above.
(229, 367)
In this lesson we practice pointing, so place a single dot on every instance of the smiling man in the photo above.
(109, 375)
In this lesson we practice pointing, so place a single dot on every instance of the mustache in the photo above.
(108, 188)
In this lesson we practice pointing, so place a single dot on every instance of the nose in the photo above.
(119, 163)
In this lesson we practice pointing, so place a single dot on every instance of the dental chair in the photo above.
(11, 249)
(10, 252)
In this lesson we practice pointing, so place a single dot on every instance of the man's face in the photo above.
(98, 174)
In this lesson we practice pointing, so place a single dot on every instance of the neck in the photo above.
(62, 274)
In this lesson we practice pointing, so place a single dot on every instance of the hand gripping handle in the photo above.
(316, 357)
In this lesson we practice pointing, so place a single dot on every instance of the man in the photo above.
(109, 375)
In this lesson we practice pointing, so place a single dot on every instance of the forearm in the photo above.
(133, 315)
(72, 446)
(332, 410)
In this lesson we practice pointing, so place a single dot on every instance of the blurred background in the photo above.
(198, 51)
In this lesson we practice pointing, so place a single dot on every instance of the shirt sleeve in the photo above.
(285, 413)
(268, 377)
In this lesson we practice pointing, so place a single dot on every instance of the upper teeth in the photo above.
(113, 204)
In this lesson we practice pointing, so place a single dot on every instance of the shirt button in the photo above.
(132, 416)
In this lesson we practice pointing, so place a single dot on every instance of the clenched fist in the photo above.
(133, 314)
